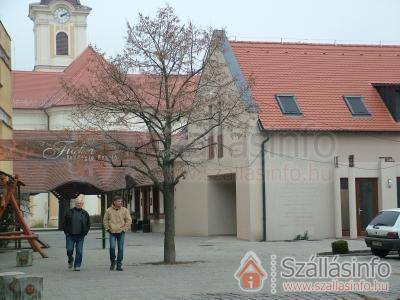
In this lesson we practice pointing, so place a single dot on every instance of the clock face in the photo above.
(62, 15)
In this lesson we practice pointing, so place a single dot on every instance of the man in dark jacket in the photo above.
(76, 227)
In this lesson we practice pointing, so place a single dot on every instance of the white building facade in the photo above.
(321, 156)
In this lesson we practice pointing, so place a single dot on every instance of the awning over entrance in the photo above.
(65, 177)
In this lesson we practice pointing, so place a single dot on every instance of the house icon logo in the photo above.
(251, 274)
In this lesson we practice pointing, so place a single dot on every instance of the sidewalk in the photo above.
(208, 273)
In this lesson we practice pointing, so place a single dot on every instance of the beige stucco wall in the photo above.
(222, 205)
(5, 93)
(193, 200)
(300, 191)
(44, 208)
(195, 197)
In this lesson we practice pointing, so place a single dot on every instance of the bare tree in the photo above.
(171, 83)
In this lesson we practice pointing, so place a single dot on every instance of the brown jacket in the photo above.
(117, 220)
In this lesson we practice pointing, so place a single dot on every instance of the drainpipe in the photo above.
(48, 118)
(48, 193)
(264, 194)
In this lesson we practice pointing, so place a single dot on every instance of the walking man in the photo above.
(117, 221)
(76, 227)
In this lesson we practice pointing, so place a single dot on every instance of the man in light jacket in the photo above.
(117, 221)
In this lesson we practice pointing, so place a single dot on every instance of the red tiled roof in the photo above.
(34, 89)
(38, 90)
(319, 76)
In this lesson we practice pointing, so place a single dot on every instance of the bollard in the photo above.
(24, 258)
(6, 285)
(28, 287)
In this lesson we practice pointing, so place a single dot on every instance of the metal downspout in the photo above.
(264, 192)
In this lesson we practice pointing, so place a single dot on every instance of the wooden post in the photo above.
(18, 227)
(24, 258)
(103, 211)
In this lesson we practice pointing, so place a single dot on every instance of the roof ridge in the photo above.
(37, 72)
(87, 49)
(315, 44)
(61, 94)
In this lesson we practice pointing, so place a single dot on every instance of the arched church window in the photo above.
(62, 43)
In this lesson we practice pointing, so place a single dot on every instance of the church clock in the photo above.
(62, 15)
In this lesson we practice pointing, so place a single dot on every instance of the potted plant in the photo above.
(134, 225)
(146, 225)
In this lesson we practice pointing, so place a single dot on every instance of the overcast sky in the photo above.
(349, 21)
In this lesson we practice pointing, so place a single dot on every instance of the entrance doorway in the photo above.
(222, 212)
(366, 202)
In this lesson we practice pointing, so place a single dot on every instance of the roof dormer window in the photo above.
(356, 105)
(288, 104)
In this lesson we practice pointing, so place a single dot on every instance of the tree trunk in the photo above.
(169, 235)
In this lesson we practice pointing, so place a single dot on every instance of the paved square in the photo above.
(209, 276)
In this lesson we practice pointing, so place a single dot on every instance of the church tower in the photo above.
(60, 32)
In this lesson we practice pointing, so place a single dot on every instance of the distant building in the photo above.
(5, 93)
(60, 36)
(60, 32)
(42, 109)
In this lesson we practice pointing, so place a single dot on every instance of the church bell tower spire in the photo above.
(60, 32)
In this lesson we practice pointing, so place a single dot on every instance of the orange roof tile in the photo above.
(319, 75)
(35, 89)
(38, 90)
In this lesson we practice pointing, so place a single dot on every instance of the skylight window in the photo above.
(356, 106)
(288, 105)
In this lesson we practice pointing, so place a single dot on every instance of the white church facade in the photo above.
(60, 36)
(40, 108)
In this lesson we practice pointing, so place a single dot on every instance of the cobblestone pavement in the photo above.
(304, 296)
(207, 271)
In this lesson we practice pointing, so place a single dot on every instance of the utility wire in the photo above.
(329, 162)
(302, 159)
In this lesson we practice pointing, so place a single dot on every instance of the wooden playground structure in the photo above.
(10, 185)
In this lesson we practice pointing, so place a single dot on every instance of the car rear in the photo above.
(383, 233)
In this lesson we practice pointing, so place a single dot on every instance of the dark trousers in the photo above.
(75, 241)
(117, 238)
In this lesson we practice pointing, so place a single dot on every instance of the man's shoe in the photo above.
(70, 265)
(112, 267)
(77, 269)
(119, 268)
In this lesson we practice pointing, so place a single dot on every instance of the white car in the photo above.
(383, 232)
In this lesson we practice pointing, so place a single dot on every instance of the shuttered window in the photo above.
(62, 43)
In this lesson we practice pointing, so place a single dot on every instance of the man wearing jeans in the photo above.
(76, 227)
(117, 221)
